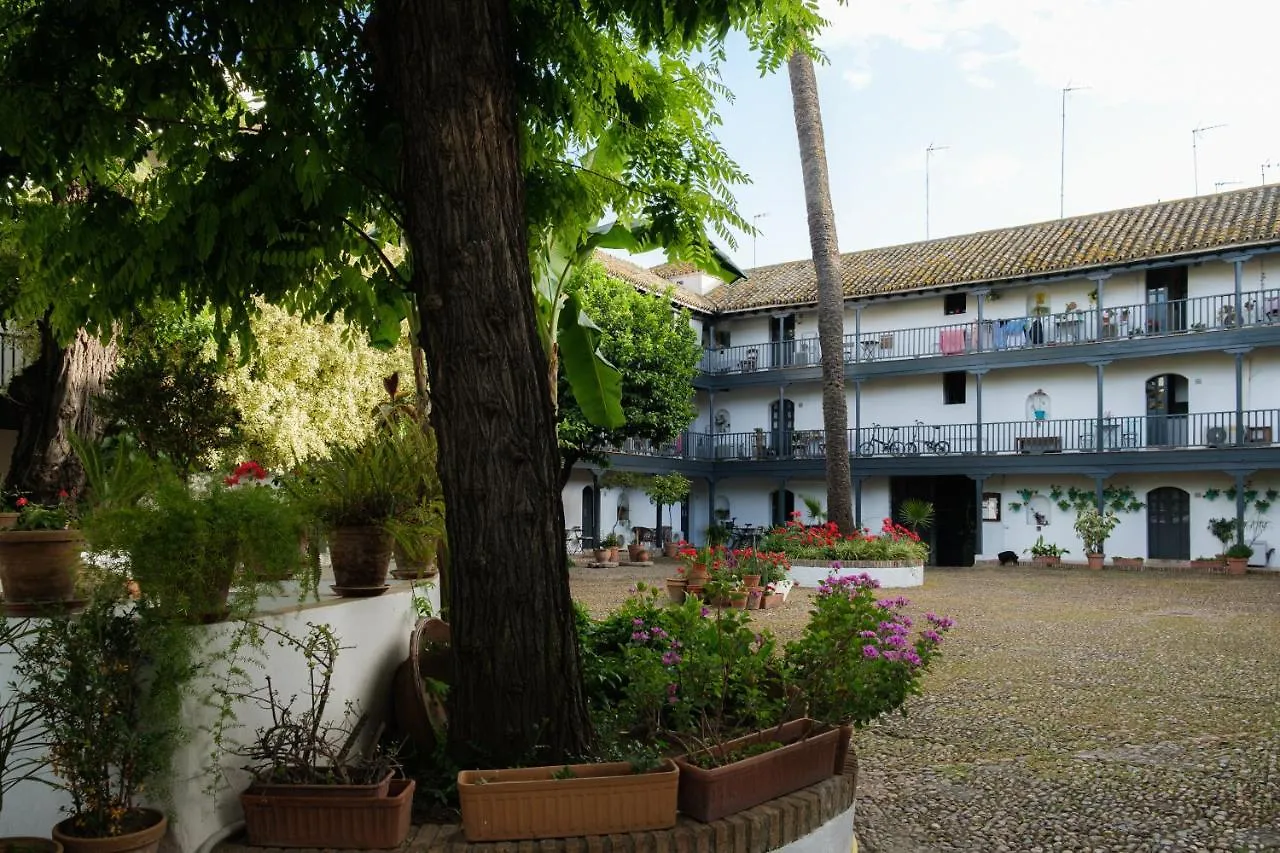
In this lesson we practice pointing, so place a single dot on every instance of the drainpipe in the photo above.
(977, 390)
(1240, 396)
(1097, 432)
(1239, 508)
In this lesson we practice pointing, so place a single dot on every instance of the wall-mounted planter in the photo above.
(596, 799)
(357, 823)
(811, 752)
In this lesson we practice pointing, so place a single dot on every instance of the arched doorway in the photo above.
(781, 427)
(1167, 407)
(788, 507)
(1168, 524)
(589, 512)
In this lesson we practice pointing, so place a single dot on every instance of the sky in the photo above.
(984, 78)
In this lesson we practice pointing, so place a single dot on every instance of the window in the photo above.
(953, 384)
(990, 506)
(722, 338)
(955, 303)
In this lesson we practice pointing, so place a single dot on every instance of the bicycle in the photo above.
(876, 445)
(937, 446)
(574, 542)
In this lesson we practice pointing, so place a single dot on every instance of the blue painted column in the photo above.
(977, 395)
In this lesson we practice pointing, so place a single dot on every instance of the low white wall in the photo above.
(375, 638)
(890, 577)
(834, 836)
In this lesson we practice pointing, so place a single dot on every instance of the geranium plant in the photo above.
(34, 516)
(825, 542)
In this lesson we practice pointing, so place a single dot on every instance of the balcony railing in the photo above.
(12, 358)
(1258, 428)
(1047, 329)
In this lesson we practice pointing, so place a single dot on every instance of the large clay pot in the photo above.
(143, 841)
(407, 569)
(1095, 560)
(8, 520)
(38, 568)
(22, 844)
(360, 557)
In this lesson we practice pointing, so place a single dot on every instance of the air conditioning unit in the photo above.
(1215, 436)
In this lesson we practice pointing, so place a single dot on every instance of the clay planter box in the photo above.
(708, 795)
(599, 799)
(1047, 561)
(357, 823)
(1127, 562)
(772, 600)
(279, 789)
(1207, 565)
(1237, 565)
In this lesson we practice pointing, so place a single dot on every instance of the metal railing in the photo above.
(12, 358)
(1257, 428)
(1045, 329)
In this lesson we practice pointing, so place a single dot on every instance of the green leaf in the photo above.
(597, 384)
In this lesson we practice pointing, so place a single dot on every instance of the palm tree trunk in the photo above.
(826, 261)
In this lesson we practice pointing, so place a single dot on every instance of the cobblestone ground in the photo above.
(1072, 711)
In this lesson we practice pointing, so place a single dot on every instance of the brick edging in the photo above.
(766, 827)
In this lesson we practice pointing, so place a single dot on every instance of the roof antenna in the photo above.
(755, 234)
(927, 153)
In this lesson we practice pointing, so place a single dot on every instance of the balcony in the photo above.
(1112, 325)
(1144, 435)
(12, 358)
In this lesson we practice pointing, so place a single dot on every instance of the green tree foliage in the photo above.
(657, 353)
(309, 386)
(166, 391)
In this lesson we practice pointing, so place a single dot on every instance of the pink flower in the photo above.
(22, 502)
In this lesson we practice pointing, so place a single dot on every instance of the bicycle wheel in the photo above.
(905, 448)
(867, 448)
(941, 448)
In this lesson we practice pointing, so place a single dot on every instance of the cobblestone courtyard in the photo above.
(1072, 711)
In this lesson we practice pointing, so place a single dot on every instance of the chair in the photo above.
(643, 535)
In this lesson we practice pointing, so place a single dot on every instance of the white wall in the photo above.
(375, 636)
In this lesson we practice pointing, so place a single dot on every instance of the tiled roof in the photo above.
(1219, 222)
(674, 269)
(651, 283)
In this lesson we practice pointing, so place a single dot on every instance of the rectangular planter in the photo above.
(1208, 565)
(356, 823)
(1127, 562)
(600, 799)
(708, 795)
(277, 789)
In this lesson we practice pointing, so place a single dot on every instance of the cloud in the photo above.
(1128, 51)
(858, 78)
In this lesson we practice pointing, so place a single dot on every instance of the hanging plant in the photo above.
(1055, 493)
(1212, 494)
(1026, 494)
(1064, 505)
(1014, 506)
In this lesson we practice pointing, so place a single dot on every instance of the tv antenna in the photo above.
(1062, 161)
(1265, 166)
(1218, 185)
(928, 152)
(755, 234)
(1196, 133)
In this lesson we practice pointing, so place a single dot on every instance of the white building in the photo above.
(1135, 351)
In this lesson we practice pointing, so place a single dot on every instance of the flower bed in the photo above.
(893, 545)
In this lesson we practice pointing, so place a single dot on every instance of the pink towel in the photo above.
(951, 341)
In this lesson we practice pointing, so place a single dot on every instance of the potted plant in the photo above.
(310, 787)
(1238, 558)
(1209, 564)
(106, 688)
(611, 543)
(1093, 528)
(664, 490)
(1044, 554)
(1127, 562)
(1224, 530)
(20, 758)
(417, 535)
(357, 493)
(40, 557)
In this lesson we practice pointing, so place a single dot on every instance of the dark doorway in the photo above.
(782, 340)
(781, 428)
(1166, 300)
(589, 513)
(1168, 524)
(953, 537)
(684, 519)
(788, 507)
(1167, 407)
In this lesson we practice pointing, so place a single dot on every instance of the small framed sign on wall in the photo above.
(990, 506)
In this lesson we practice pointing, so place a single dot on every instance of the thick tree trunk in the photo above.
(57, 395)
(826, 261)
(447, 67)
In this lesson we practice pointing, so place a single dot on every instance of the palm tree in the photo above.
(826, 261)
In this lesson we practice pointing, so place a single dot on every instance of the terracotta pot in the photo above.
(671, 550)
(613, 554)
(360, 823)
(738, 600)
(1047, 561)
(708, 795)
(601, 555)
(598, 799)
(419, 712)
(750, 581)
(143, 841)
(693, 589)
(407, 569)
(1207, 565)
(698, 572)
(23, 844)
(642, 555)
(1127, 562)
(754, 596)
(8, 520)
(360, 556)
(676, 590)
(39, 567)
(1095, 560)
(1237, 565)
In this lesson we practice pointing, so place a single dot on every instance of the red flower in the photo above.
(63, 494)
(21, 502)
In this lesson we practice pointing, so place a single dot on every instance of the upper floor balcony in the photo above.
(1001, 338)
(960, 446)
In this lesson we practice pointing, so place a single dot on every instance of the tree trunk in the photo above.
(826, 262)
(56, 396)
(447, 69)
